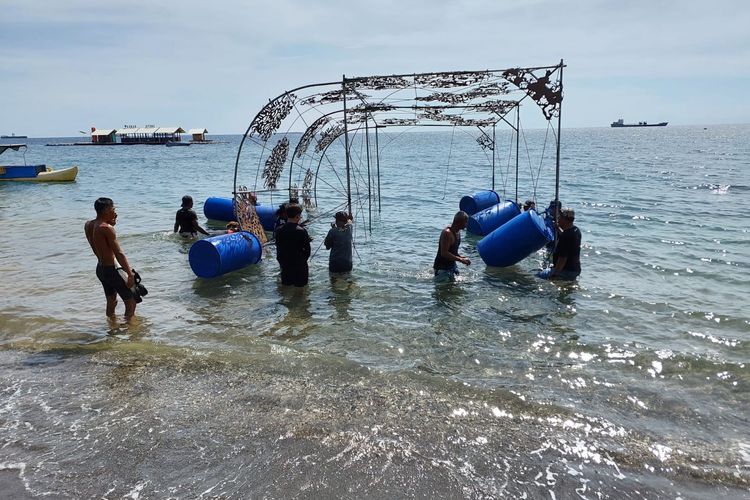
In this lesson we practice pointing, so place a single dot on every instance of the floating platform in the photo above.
(59, 144)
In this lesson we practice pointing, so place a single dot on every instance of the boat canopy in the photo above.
(14, 147)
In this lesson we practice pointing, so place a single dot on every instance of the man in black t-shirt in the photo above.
(186, 221)
(567, 255)
(293, 248)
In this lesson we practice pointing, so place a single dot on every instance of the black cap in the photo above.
(187, 200)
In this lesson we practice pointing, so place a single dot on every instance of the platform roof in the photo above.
(104, 131)
(151, 130)
(194, 131)
(136, 130)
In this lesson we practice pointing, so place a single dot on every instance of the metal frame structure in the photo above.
(330, 110)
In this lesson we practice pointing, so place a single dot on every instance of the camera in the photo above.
(138, 289)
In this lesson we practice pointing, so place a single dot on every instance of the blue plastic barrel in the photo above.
(487, 220)
(478, 201)
(515, 240)
(223, 209)
(219, 209)
(267, 216)
(221, 254)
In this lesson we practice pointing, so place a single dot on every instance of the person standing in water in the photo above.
(186, 220)
(339, 242)
(100, 233)
(447, 255)
(567, 254)
(293, 248)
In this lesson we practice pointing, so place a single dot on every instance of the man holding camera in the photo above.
(100, 234)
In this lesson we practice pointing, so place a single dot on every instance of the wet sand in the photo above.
(118, 423)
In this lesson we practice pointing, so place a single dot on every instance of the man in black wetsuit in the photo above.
(447, 254)
(567, 254)
(186, 220)
(293, 248)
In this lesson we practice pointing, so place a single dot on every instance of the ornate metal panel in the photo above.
(270, 118)
(275, 163)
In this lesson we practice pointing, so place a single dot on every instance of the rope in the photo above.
(541, 160)
(447, 167)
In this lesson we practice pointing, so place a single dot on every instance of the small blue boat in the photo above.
(33, 173)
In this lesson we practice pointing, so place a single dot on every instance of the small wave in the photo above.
(715, 339)
(718, 188)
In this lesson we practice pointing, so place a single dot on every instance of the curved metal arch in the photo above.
(258, 114)
(320, 161)
(299, 143)
(545, 91)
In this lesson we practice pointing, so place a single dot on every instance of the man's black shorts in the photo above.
(112, 282)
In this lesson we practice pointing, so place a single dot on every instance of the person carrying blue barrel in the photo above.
(566, 257)
(447, 255)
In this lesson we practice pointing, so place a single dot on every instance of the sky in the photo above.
(70, 65)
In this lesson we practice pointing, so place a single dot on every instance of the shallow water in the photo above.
(631, 383)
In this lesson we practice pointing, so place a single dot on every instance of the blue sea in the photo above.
(632, 382)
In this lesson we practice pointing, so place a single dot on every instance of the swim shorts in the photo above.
(112, 282)
(444, 275)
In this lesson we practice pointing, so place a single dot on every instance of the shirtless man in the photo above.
(100, 233)
(447, 254)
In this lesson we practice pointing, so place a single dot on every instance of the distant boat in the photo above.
(34, 173)
(13, 136)
(621, 123)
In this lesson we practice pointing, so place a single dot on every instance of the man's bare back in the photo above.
(101, 237)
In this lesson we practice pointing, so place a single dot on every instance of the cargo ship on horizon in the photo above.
(621, 123)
